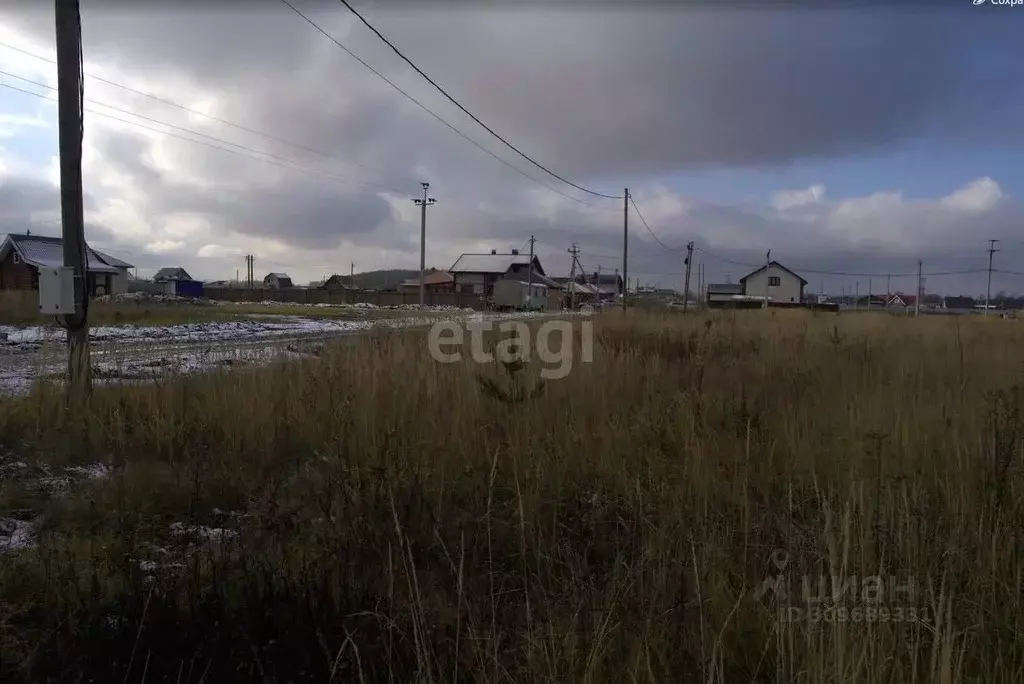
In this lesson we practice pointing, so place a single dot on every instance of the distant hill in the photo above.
(382, 280)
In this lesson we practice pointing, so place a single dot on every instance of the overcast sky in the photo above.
(850, 142)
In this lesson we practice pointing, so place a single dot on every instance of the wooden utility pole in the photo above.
(869, 293)
(888, 289)
(917, 299)
(574, 251)
(988, 288)
(686, 285)
(424, 203)
(529, 276)
(767, 275)
(625, 246)
(70, 113)
(351, 271)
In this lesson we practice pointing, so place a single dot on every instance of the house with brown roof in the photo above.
(339, 282)
(435, 281)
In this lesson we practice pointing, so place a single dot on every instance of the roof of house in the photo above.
(431, 278)
(279, 276)
(725, 288)
(492, 263)
(544, 280)
(336, 279)
(536, 283)
(172, 272)
(777, 265)
(48, 252)
(905, 298)
(580, 288)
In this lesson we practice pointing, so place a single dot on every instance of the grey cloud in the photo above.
(594, 95)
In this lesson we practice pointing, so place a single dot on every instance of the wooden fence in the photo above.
(311, 296)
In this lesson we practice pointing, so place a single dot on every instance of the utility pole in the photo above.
(888, 289)
(856, 295)
(686, 285)
(423, 204)
(352, 270)
(249, 270)
(767, 275)
(625, 246)
(700, 286)
(917, 299)
(869, 293)
(574, 251)
(529, 276)
(70, 131)
(988, 288)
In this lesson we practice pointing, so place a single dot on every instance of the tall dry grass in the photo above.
(403, 525)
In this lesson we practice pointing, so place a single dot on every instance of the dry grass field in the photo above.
(22, 308)
(372, 515)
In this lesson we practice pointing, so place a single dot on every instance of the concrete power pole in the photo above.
(625, 246)
(574, 251)
(988, 288)
(767, 275)
(423, 203)
(917, 299)
(70, 124)
(529, 272)
(686, 285)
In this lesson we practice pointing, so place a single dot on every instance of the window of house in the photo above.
(773, 281)
(17, 259)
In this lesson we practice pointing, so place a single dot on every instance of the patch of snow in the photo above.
(94, 471)
(211, 533)
(16, 534)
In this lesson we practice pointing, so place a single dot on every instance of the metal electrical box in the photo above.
(57, 290)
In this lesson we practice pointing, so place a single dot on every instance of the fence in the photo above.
(311, 296)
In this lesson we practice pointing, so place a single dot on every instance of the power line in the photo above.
(291, 166)
(175, 126)
(656, 238)
(467, 112)
(189, 110)
(425, 108)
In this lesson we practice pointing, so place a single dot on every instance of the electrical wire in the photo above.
(181, 128)
(643, 221)
(196, 112)
(291, 165)
(427, 109)
(469, 113)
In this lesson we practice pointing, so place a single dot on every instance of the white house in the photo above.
(778, 283)
(782, 285)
